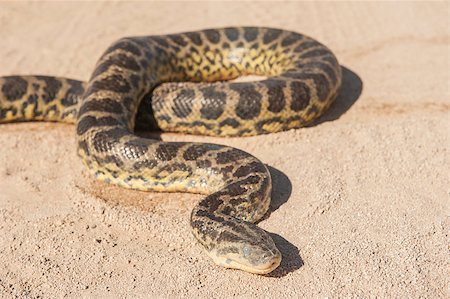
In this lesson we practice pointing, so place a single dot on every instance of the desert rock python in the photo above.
(176, 82)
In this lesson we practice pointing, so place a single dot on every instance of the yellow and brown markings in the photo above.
(178, 82)
(24, 98)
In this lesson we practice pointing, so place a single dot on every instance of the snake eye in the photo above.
(246, 251)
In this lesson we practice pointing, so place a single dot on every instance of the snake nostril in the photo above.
(267, 256)
(246, 251)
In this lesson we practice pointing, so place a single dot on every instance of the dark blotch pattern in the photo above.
(89, 122)
(178, 39)
(32, 99)
(322, 85)
(228, 236)
(230, 122)
(134, 149)
(250, 34)
(103, 143)
(245, 170)
(254, 46)
(203, 164)
(231, 155)
(211, 202)
(115, 83)
(84, 147)
(3, 112)
(135, 79)
(305, 45)
(167, 151)
(172, 167)
(212, 35)
(330, 72)
(228, 249)
(194, 37)
(145, 164)
(106, 104)
(120, 60)
(318, 65)
(128, 103)
(289, 40)
(300, 95)
(117, 133)
(195, 151)
(74, 93)
(85, 124)
(249, 104)
(161, 41)
(271, 35)
(232, 34)
(111, 159)
(277, 100)
(14, 88)
(320, 81)
(260, 125)
(316, 52)
(51, 89)
(198, 123)
(183, 103)
(213, 103)
(131, 178)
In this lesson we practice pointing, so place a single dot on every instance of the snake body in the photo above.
(177, 83)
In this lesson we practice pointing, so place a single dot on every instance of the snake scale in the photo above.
(178, 83)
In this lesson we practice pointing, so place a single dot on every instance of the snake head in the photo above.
(250, 249)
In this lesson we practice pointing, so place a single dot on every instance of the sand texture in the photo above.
(361, 198)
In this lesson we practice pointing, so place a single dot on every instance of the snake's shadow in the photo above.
(281, 191)
(291, 259)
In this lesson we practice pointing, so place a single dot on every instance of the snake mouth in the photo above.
(264, 268)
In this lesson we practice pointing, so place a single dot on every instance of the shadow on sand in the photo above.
(281, 191)
(291, 260)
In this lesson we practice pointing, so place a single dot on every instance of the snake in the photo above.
(183, 83)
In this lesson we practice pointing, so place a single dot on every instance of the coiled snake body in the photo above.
(156, 78)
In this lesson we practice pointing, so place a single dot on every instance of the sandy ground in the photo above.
(361, 198)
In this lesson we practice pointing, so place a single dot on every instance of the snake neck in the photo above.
(223, 223)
